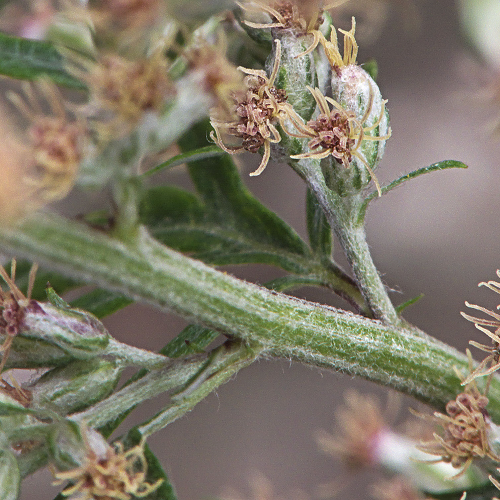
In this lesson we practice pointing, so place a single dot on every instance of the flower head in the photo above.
(492, 362)
(332, 51)
(107, 472)
(257, 109)
(13, 304)
(218, 76)
(397, 488)
(304, 18)
(465, 430)
(55, 142)
(122, 90)
(362, 424)
(337, 132)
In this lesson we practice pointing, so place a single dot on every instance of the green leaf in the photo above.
(9, 406)
(224, 224)
(371, 67)
(408, 303)
(101, 303)
(30, 59)
(193, 339)
(197, 154)
(318, 229)
(229, 203)
(165, 205)
(442, 165)
(485, 492)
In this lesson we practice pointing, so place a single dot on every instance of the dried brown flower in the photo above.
(302, 17)
(122, 90)
(361, 422)
(55, 141)
(108, 472)
(492, 362)
(465, 431)
(13, 304)
(258, 110)
(337, 132)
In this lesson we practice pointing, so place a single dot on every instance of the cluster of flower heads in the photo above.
(107, 472)
(257, 111)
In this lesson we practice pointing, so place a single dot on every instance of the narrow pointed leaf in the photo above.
(195, 155)
(408, 303)
(30, 59)
(318, 229)
(442, 165)
(229, 202)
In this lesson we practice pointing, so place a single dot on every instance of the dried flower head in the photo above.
(304, 18)
(107, 472)
(122, 90)
(337, 132)
(465, 431)
(492, 362)
(332, 50)
(258, 109)
(219, 77)
(13, 304)
(55, 141)
(362, 422)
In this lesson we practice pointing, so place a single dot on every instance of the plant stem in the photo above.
(402, 358)
(221, 366)
(343, 215)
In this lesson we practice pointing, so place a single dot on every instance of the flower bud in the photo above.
(77, 332)
(355, 90)
(76, 386)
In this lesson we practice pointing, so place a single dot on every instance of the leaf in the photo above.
(30, 59)
(9, 406)
(442, 165)
(224, 224)
(485, 492)
(371, 67)
(318, 229)
(408, 303)
(193, 339)
(229, 203)
(197, 154)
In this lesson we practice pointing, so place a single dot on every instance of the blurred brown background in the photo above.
(437, 235)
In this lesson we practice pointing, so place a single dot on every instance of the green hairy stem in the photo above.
(283, 326)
